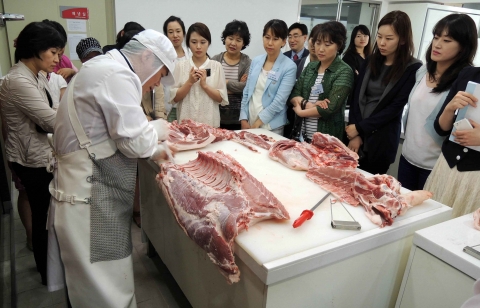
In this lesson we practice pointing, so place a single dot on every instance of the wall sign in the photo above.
(72, 12)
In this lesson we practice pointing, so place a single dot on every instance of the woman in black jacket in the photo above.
(358, 48)
(381, 92)
(454, 179)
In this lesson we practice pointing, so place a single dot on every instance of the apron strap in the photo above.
(72, 114)
(60, 196)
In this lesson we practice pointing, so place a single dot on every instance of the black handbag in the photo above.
(298, 123)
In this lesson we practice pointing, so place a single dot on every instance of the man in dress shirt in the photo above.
(297, 35)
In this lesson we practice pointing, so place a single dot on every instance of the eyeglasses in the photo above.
(295, 36)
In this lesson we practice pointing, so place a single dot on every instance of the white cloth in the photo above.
(419, 148)
(255, 105)
(306, 63)
(24, 104)
(107, 98)
(56, 83)
(197, 105)
(166, 89)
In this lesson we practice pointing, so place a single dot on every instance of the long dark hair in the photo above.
(352, 48)
(462, 29)
(402, 26)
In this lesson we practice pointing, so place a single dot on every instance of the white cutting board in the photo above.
(274, 239)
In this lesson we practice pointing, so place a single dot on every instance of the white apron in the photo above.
(89, 222)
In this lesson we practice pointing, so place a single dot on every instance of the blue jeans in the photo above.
(411, 177)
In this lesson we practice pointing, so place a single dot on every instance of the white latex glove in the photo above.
(162, 128)
(162, 153)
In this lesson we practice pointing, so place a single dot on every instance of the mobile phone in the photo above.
(462, 124)
(208, 72)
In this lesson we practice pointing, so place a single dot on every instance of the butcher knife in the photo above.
(307, 214)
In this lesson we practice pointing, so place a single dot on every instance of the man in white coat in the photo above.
(99, 133)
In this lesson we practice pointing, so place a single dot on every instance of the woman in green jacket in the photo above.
(320, 93)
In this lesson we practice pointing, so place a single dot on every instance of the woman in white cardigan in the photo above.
(200, 86)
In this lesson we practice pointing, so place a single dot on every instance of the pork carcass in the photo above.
(379, 194)
(213, 198)
(186, 138)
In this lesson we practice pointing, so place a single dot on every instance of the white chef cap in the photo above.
(148, 52)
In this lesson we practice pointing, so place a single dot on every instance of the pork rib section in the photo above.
(325, 150)
(213, 198)
(189, 137)
(379, 195)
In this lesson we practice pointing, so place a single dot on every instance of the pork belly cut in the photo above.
(213, 198)
(292, 154)
(379, 195)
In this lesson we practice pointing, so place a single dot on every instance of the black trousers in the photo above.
(373, 167)
(36, 181)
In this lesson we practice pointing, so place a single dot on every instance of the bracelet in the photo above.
(303, 104)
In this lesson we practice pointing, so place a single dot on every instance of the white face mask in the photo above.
(143, 60)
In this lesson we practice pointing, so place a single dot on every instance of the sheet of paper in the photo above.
(73, 40)
(470, 112)
(76, 25)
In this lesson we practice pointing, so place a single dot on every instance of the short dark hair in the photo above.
(172, 19)
(278, 27)
(237, 27)
(201, 29)
(314, 31)
(57, 26)
(462, 29)
(35, 38)
(351, 46)
(299, 26)
(332, 31)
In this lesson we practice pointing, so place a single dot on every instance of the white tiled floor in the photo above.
(154, 285)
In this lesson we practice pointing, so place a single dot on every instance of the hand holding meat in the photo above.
(468, 137)
(162, 128)
(163, 153)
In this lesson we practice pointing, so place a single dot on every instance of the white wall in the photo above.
(214, 13)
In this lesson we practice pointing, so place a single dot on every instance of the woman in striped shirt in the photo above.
(236, 64)
(320, 93)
